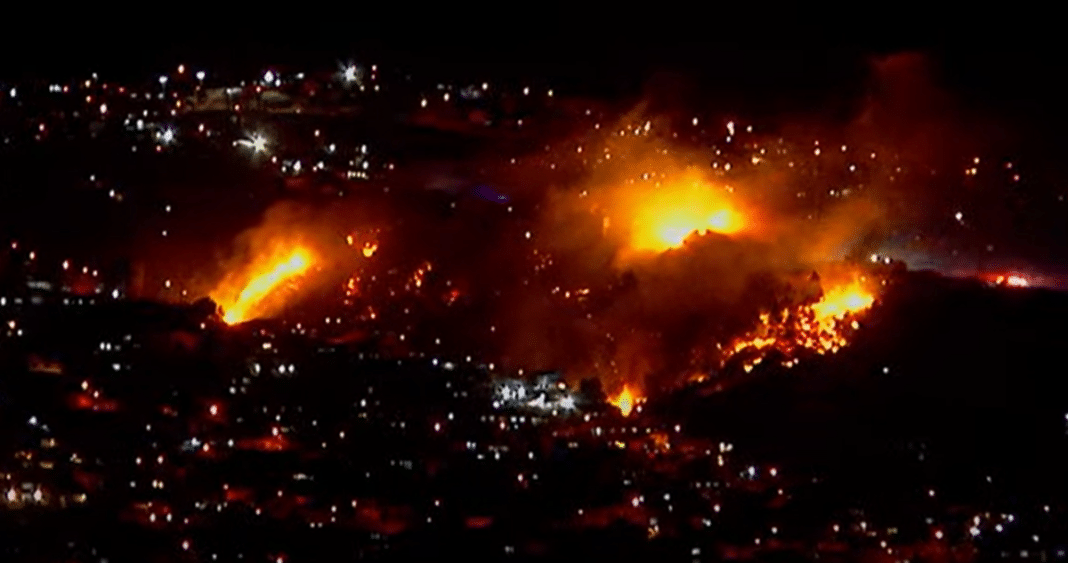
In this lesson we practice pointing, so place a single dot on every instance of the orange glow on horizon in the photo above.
(1012, 280)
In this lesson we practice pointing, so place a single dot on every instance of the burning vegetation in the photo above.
(620, 252)
(264, 284)
(822, 327)
(625, 401)
(268, 277)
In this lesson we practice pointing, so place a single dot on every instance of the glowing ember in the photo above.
(264, 282)
(671, 213)
(419, 276)
(369, 249)
(624, 401)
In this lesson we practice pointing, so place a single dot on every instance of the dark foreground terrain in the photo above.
(133, 432)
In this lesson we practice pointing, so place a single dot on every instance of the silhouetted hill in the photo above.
(974, 386)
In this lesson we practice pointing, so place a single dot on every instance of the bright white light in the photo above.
(257, 142)
(163, 80)
(167, 136)
(200, 75)
(350, 73)
(1016, 281)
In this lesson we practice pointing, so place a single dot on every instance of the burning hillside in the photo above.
(264, 293)
(822, 327)
(640, 250)
(627, 272)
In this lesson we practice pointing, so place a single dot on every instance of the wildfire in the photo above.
(625, 401)
(839, 301)
(264, 280)
(668, 214)
(823, 327)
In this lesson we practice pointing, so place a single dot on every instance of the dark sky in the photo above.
(544, 38)
(1001, 58)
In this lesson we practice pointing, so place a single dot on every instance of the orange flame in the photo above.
(822, 327)
(369, 249)
(625, 401)
(838, 301)
(668, 214)
(265, 280)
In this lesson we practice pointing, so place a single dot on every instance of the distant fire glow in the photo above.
(1012, 281)
(265, 279)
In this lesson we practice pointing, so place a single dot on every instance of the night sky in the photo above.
(1005, 62)
(734, 59)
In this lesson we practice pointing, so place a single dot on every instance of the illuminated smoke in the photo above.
(638, 251)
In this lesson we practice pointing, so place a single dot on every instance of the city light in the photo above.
(375, 312)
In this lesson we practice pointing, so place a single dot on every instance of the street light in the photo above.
(257, 142)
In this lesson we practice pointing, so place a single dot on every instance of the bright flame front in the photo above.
(840, 300)
(264, 281)
(624, 401)
(671, 213)
(823, 327)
